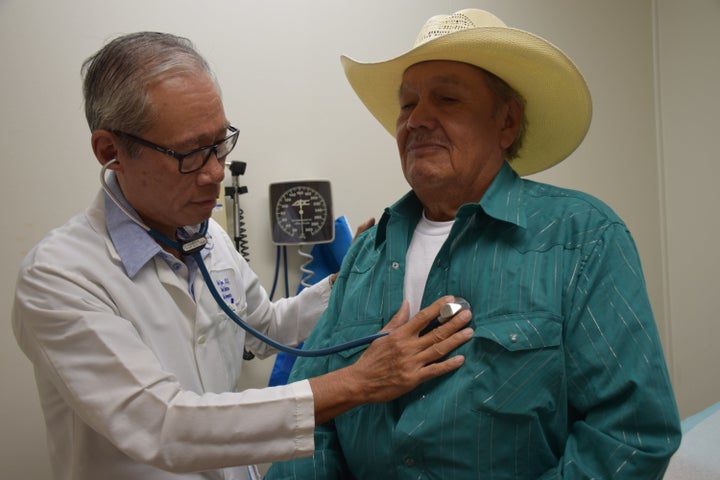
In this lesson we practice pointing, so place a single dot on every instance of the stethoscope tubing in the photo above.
(195, 252)
(265, 339)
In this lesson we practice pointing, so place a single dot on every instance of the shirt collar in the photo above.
(503, 198)
(502, 201)
(133, 244)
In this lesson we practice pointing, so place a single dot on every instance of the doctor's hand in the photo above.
(361, 228)
(364, 226)
(394, 364)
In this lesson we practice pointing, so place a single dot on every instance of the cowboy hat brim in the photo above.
(558, 103)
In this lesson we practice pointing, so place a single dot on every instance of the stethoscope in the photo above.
(192, 246)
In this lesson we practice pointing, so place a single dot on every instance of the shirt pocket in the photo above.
(516, 364)
(222, 331)
(349, 333)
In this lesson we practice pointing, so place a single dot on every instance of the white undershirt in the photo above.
(427, 239)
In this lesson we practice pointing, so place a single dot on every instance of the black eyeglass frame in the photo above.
(181, 156)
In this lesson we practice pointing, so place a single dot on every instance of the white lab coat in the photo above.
(136, 379)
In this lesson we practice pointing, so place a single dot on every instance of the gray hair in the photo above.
(115, 79)
(504, 93)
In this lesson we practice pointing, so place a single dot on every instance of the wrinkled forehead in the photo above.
(441, 72)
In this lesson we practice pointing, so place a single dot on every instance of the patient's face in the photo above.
(451, 135)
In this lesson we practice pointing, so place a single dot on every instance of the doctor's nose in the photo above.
(213, 171)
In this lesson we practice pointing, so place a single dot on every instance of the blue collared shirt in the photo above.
(564, 378)
(132, 242)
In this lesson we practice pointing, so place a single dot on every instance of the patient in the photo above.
(565, 376)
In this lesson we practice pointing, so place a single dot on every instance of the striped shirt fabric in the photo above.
(564, 378)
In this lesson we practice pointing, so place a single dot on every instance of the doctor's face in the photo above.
(189, 115)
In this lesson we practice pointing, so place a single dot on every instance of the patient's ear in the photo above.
(512, 123)
(104, 145)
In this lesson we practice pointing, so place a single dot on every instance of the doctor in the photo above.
(136, 364)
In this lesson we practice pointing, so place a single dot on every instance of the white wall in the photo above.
(689, 75)
(647, 154)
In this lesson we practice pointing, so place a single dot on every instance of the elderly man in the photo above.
(565, 376)
(136, 363)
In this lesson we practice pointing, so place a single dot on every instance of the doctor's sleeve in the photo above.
(327, 461)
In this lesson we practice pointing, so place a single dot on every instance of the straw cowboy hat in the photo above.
(558, 105)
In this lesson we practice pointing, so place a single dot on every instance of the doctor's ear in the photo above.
(105, 148)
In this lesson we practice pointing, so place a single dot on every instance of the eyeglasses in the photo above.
(193, 160)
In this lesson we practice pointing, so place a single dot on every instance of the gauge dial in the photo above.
(302, 213)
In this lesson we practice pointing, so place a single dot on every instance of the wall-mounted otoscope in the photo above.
(239, 233)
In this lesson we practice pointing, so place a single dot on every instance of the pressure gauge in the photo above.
(301, 212)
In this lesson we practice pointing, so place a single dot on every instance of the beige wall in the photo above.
(688, 78)
(651, 66)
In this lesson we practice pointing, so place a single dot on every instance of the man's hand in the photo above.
(394, 364)
(361, 228)
(364, 226)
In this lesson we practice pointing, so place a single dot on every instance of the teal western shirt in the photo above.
(564, 378)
